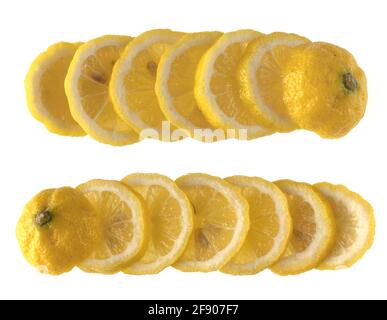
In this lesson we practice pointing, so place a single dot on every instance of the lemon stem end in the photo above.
(43, 218)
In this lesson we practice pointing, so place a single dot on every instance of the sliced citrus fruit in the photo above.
(221, 222)
(176, 80)
(121, 213)
(217, 87)
(86, 87)
(133, 80)
(313, 229)
(270, 226)
(261, 76)
(44, 83)
(169, 221)
(355, 226)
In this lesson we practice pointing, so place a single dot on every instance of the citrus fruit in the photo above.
(217, 87)
(355, 223)
(325, 91)
(261, 72)
(58, 229)
(44, 83)
(270, 226)
(133, 80)
(176, 80)
(121, 213)
(313, 229)
(86, 87)
(221, 222)
(169, 221)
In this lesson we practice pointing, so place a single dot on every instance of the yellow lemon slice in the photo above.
(221, 222)
(133, 81)
(121, 213)
(169, 221)
(175, 84)
(313, 229)
(355, 226)
(261, 73)
(217, 87)
(44, 83)
(87, 85)
(270, 226)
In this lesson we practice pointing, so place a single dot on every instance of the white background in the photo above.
(33, 159)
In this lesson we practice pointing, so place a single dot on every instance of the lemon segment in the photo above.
(313, 229)
(217, 87)
(221, 223)
(176, 80)
(355, 223)
(121, 213)
(87, 85)
(133, 80)
(261, 73)
(270, 226)
(44, 83)
(169, 222)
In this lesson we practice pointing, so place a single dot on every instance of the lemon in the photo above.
(121, 213)
(217, 87)
(325, 91)
(313, 229)
(169, 218)
(270, 226)
(261, 73)
(86, 87)
(176, 80)
(44, 83)
(133, 80)
(221, 223)
(355, 226)
(58, 229)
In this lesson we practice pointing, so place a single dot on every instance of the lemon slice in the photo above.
(121, 213)
(86, 87)
(133, 80)
(270, 226)
(176, 80)
(355, 226)
(313, 229)
(44, 83)
(217, 88)
(221, 222)
(169, 218)
(261, 78)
